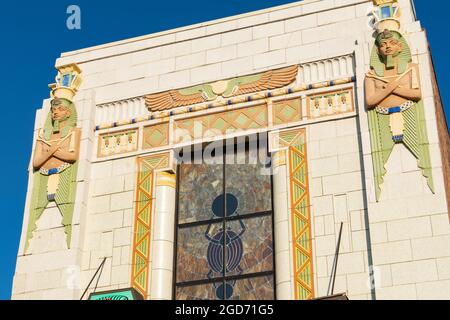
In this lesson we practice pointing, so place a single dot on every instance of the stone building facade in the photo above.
(294, 75)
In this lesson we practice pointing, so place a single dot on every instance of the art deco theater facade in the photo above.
(296, 152)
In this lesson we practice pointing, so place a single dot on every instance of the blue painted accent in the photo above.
(218, 205)
(331, 83)
(115, 124)
(310, 87)
(171, 113)
(51, 197)
(133, 120)
(269, 94)
(97, 128)
(190, 109)
(290, 90)
(229, 102)
(249, 98)
(151, 117)
(354, 78)
(395, 110)
(52, 171)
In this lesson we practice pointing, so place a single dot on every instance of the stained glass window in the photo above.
(225, 214)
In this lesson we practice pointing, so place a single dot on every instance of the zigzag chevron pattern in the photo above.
(143, 220)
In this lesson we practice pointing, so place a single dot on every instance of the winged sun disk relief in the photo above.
(268, 80)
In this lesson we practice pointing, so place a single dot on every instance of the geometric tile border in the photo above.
(295, 143)
(287, 111)
(147, 167)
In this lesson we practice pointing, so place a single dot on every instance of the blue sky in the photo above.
(34, 33)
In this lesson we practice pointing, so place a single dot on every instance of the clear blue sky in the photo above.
(34, 33)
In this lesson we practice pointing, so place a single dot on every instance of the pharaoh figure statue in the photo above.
(55, 162)
(395, 106)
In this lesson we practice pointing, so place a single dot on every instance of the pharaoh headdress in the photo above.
(63, 179)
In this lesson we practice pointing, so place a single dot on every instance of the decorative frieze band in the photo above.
(269, 84)
(268, 80)
(117, 143)
(156, 136)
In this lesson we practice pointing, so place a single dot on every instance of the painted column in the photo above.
(163, 240)
(281, 222)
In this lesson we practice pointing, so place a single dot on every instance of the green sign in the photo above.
(122, 294)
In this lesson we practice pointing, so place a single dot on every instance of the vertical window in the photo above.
(224, 213)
